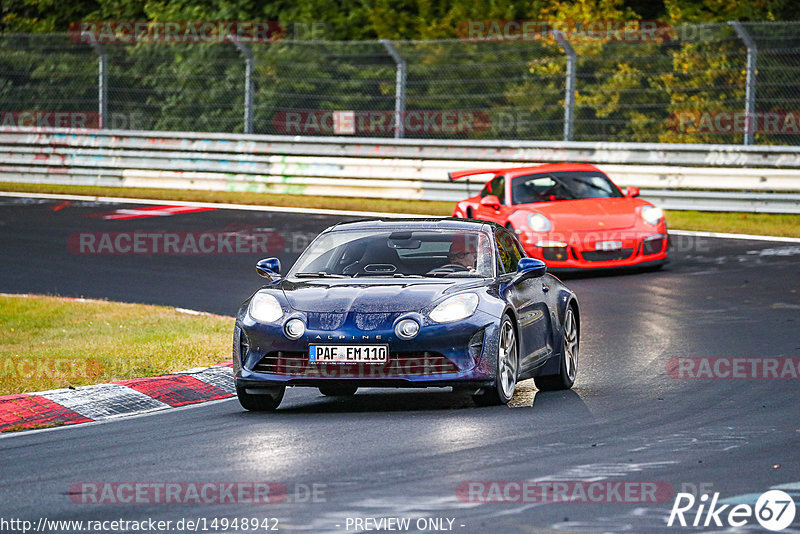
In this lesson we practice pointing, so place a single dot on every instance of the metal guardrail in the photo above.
(764, 178)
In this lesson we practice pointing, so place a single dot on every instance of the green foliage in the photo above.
(330, 60)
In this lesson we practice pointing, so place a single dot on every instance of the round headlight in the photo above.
(265, 308)
(294, 328)
(652, 215)
(455, 308)
(539, 223)
(407, 329)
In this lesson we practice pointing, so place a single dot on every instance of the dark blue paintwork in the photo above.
(366, 310)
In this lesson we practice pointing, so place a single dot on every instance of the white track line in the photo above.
(221, 206)
(320, 211)
(747, 237)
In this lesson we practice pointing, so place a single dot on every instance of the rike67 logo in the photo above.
(774, 510)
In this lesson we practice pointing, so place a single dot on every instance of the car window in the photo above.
(498, 188)
(360, 253)
(509, 250)
(564, 185)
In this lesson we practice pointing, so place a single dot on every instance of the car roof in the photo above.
(443, 223)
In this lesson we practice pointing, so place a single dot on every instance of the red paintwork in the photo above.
(580, 223)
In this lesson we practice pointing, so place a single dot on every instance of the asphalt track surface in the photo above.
(399, 453)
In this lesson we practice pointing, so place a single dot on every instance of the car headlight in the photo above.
(539, 223)
(652, 214)
(265, 308)
(455, 308)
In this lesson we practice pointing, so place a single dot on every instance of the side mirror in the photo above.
(632, 191)
(530, 268)
(269, 268)
(491, 201)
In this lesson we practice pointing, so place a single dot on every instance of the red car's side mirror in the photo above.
(491, 201)
(632, 191)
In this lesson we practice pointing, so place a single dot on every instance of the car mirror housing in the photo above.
(530, 268)
(269, 268)
(632, 191)
(491, 201)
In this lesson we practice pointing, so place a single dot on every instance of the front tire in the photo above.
(338, 391)
(507, 368)
(569, 361)
(266, 402)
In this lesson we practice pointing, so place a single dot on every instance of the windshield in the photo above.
(397, 253)
(567, 185)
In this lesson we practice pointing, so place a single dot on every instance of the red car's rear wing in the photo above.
(460, 174)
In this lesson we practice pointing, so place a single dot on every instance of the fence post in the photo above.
(750, 83)
(102, 77)
(249, 63)
(569, 91)
(400, 88)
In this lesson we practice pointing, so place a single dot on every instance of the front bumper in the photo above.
(598, 250)
(455, 354)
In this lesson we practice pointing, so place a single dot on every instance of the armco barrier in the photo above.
(708, 177)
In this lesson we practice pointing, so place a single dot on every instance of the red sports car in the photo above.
(571, 215)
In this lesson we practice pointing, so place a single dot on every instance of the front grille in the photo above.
(296, 363)
(607, 255)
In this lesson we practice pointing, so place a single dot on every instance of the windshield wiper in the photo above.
(320, 274)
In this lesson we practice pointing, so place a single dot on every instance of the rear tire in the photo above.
(507, 369)
(338, 391)
(266, 402)
(569, 358)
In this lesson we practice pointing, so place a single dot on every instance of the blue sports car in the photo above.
(406, 303)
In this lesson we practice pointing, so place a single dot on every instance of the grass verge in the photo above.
(785, 225)
(50, 342)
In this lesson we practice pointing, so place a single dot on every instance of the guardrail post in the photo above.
(400, 88)
(750, 83)
(102, 77)
(569, 91)
(249, 63)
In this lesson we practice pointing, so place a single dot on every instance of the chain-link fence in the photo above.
(687, 85)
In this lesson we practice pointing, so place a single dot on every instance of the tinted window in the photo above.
(509, 250)
(360, 253)
(567, 185)
(496, 187)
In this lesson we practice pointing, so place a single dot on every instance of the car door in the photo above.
(529, 299)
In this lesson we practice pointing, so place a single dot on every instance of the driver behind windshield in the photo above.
(464, 251)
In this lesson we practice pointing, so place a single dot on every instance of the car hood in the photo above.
(590, 214)
(368, 296)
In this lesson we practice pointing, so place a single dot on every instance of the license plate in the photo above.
(348, 353)
(608, 245)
